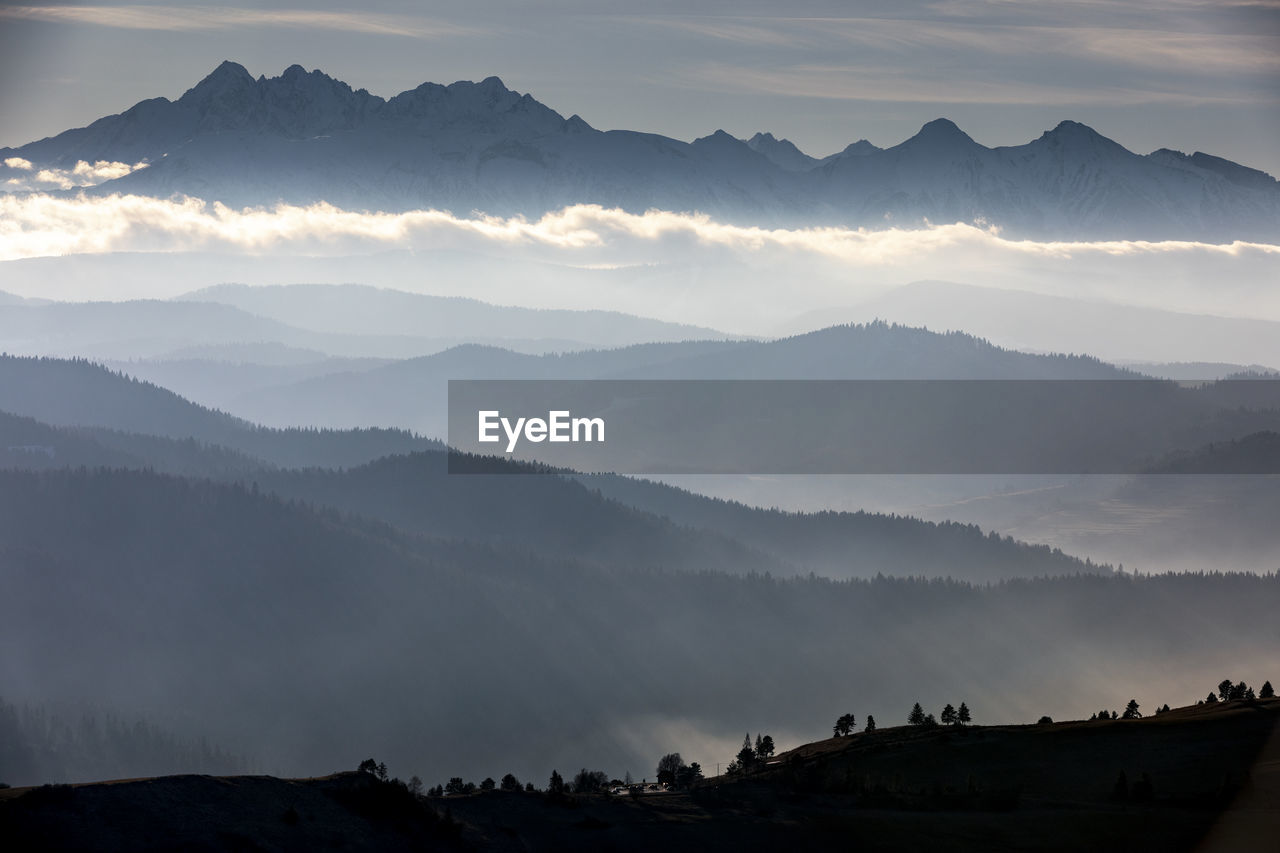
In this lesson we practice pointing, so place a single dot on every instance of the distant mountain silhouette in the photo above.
(304, 136)
(411, 393)
(1040, 323)
(353, 309)
(339, 320)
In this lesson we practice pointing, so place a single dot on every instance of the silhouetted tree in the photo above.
(555, 787)
(528, 788)
(488, 784)
(1046, 720)
(746, 757)
(382, 771)
(688, 774)
(369, 766)
(1233, 691)
(1211, 699)
(844, 725)
(1131, 711)
(930, 720)
(668, 766)
(415, 786)
(948, 716)
(962, 716)
(871, 724)
(509, 783)
(916, 717)
(590, 781)
(764, 747)
(455, 785)
(1267, 691)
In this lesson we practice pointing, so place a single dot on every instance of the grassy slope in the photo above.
(1215, 772)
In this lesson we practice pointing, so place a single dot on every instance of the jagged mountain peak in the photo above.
(717, 136)
(484, 105)
(781, 152)
(576, 124)
(482, 146)
(860, 148)
(1067, 126)
(942, 128)
(1227, 169)
(939, 133)
(227, 71)
(1076, 133)
(228, 76)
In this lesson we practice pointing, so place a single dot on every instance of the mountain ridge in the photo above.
(304, 137)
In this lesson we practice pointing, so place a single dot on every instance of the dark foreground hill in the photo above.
(1196, 778)
(345, 811)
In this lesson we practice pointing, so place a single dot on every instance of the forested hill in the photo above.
(135, 588)
(76, 392)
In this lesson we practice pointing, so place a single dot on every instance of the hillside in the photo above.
(355, 309)
(1198, 778)
(340, 321)
(411, 393)
(346, 811)
(1036, 322)
(305, 637)
(575, 519)
(62, 392)
(609, 522)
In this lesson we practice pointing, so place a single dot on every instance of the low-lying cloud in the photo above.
(83, 174)
(747, 272)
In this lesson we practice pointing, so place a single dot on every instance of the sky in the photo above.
(1182, 74)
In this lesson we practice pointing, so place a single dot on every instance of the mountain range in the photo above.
(305, 137)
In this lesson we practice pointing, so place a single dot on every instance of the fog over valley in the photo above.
(239, 541)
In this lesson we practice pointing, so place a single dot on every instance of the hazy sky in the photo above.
(1178, 73)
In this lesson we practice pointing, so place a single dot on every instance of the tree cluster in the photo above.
(675, 773)
(950, 716)
(1228, 692)
(750, 757)
(846, 723)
